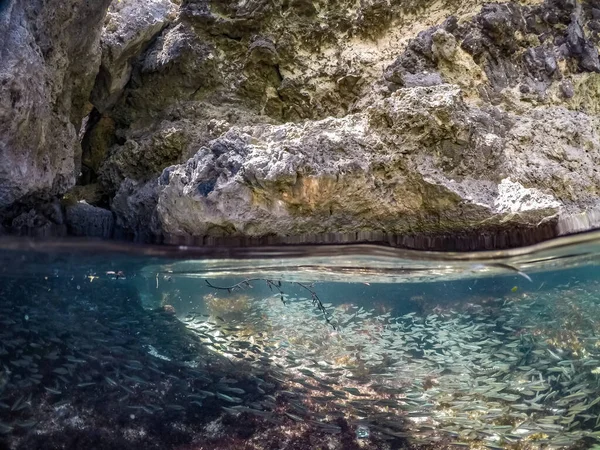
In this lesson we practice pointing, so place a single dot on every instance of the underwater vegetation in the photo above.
(277, 286)
(233, 306)
(83, 364)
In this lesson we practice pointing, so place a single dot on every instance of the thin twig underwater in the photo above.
(316, 301)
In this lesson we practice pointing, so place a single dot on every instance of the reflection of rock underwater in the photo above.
(89, 363)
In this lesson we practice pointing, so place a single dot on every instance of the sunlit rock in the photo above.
(50, 56)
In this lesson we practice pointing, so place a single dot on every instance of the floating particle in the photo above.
(362, 432)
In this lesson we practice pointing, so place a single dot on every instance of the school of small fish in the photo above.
(520, 371)
(515, 372)
(95, 359)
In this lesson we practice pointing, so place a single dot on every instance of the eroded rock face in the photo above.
(129, 28)
(421, 160)
(512, 142)
(258, 118)
(49, 58)
(230, 63)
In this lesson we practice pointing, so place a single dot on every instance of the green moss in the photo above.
(587, 93)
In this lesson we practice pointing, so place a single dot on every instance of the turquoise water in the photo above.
(358, 347)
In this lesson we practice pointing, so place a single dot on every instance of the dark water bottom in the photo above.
(85, 366)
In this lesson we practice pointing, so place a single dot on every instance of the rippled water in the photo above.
(106, 345)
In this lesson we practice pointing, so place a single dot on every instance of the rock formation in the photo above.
(291, 117)
(49, 57)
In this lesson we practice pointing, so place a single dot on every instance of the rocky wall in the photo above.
(379, 117)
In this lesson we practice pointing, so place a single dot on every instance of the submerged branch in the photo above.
(233, 287)
(316, 301)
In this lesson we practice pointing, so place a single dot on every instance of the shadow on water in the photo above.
(114, 349)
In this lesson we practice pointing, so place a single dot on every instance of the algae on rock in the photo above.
(278, 118)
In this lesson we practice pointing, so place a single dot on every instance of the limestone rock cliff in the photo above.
(292, 117)
(367, 171)
(49, 57)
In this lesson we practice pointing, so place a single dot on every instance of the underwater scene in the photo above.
(113, 346)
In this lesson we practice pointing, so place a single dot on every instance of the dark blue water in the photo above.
(115, 346)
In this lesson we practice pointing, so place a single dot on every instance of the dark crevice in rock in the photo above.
(101, 96)
(88, 172)
(101, 85)
(278, 71)
(233, 38)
